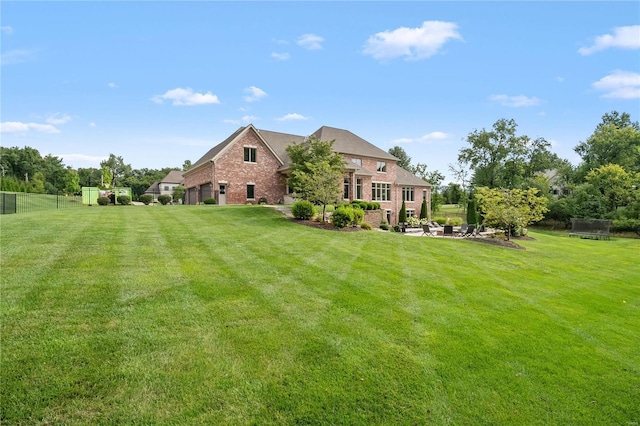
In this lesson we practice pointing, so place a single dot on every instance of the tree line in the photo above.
(25, 170)
(605, 185)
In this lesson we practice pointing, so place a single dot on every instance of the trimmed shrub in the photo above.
(423, 209)
(441, 220)
(402, 217)
(343, 216)
(363, 205)
(384, 226)
(164, 199)
(358, 216)
(303, 210)
(209, 201)
(103, 201)
(146, 199)
(366, 226)
(125, 200)
(472, 214)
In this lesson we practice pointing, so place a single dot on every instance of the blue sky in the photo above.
(159, 83)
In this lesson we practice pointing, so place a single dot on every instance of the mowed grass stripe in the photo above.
(236, 315)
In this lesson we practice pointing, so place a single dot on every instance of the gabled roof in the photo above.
(349, 143)
(279, 142)
(174, 176)
(153, 188)
(405, 177)
(210, 155)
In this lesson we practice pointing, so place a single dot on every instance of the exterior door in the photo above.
(222, 194)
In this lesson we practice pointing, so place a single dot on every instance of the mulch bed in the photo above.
(503, 243)
(324, 225)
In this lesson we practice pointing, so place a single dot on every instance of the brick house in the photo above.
(251, 165)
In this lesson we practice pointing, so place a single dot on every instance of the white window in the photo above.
(357, 161)
(346, 188)
(250, 154)
(358, 189)
(380, 191)
(381, 166)
(166, 187)
(411, 212)
(407, 193)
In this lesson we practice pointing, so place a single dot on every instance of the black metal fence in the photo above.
(23, 202)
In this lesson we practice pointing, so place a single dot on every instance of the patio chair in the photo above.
(470, 232)
(427, 231)
(448, 230)
(463, 230)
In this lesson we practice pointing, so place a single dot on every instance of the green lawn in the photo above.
(234, 315)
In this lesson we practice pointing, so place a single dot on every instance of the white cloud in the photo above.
(20, 127)
(92, 124)
(112, 85)
(180, 97)
(230, 121)
(58, 118)
(622, 37)
(619, 85)
(6, 29)
(310, 41)
(292, 116)
(255, 94)
(280, 56)
(17, 56)
(249, 118)
(515, 101)
(412, 43)
(425, 138)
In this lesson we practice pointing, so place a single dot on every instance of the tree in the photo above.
(186, 165)
(501, 158)
(316, 172)
(614, 183)
(178, 193)
(402, 216)
(116, 170)
(510, 209)
(472, 213)
(616, 140)
(71, 181)
(404, 160)
(435, 178)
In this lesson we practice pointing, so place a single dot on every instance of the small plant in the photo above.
(146, 199)
(103, 201)
(384, 226)
(441, 220)
(125, 200)
(164, 199)
(303, 210)
(209, 201)
(366, 226)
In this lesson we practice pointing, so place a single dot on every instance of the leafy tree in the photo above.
(116, 170)
(614, 183)
(616, 140)
(402, 216)
(178, 193)
(404, 160)
(186, 165)
(71, 181)
(316, 171)
(509, 209)
(501, 158)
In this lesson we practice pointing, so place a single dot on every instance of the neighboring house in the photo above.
(253, 164)
(166, 186)
(556, 188)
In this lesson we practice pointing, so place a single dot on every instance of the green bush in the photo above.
(358, 216)
(303, 210)
(103, 201)
(441, 220)
(366, 226)
(125, 200)
(164, 199)
(626, 225)
(402, 216)
(373, 206)
(384, 226)
(146, 199)
(209, 201)
(343, 216)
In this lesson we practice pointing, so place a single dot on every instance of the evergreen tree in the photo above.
(423, 209)
(402, 217)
